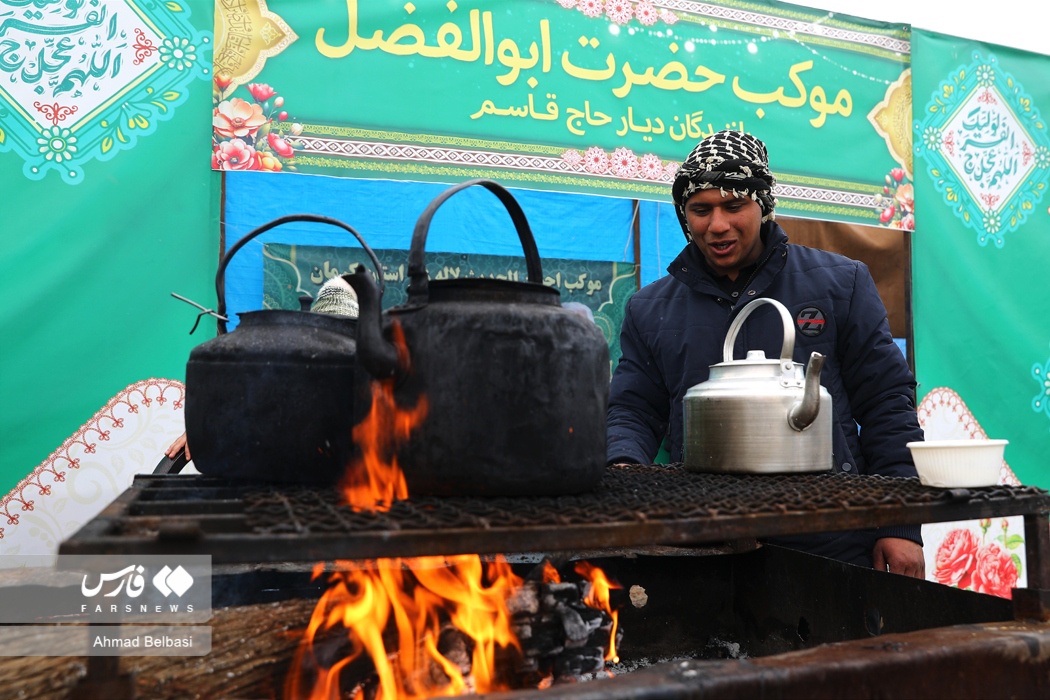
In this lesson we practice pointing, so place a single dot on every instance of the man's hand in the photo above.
(176, 448)
(899, 556)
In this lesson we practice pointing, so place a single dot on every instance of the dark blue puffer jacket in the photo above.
(674, 328)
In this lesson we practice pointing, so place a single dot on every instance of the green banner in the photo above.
(293, 271)
(107, 212)
(982, 159)
(602, 98)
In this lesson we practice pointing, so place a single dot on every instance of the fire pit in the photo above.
(722, 617)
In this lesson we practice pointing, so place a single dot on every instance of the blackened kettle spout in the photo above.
(804, 412)
(377, 355)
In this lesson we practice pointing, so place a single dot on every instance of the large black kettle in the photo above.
(516, 386)
(272, 399)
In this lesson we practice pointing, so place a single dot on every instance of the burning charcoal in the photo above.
(579, 623)
(458, 648)
(525, 601)
(554, 593)
(572, 665)
(545, 640)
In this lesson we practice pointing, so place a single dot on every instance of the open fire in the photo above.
(409, 628)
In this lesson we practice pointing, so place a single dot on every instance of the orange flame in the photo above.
(420, 596)
(407, 605)
(375, 480)
(598, 598)
(550, 574)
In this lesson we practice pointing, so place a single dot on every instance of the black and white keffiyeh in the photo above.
(730, 161)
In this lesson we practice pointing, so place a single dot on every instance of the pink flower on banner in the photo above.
(624, 163)
(591, 8)
(279, 145)
(897, 174)
(235, 155)
(668, 17)
(261, 91)
(572, 157)
(596, 160)
(995, 572)
(905, 196)
(955, 559)
(236, 118)
(253, 135)
(567, 4)
(671, 169)
(646, 13)
(652, 167)
(619, 11)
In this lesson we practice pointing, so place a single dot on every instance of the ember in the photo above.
(439, 626)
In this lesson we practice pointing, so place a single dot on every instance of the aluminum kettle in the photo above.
(759, 415)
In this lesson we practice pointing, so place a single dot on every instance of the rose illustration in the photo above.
(261, 91)
(236, 118)
(955, 559)
(279, 145)
(905, 196)
(235, 155)
(251, 135)
(995, 572)
(897, 201)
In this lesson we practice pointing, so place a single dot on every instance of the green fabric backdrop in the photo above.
(88, 270)
(981, 283)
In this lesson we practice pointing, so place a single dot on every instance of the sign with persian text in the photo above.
(987, 148)
(82, 81)
(292, 271)
(591, 97)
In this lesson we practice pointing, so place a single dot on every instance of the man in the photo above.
(674, 328)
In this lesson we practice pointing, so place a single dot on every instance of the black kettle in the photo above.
(271, 400)
(516, 386)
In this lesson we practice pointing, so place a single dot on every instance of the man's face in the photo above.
(725, 229)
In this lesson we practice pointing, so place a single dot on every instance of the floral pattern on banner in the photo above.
(975, 555)
(251, 134)
(125, 437)
(622, 163)
(897, 200)
(1041, 400)
(985, 564)
(622, 11)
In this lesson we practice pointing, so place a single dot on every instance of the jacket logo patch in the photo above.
(810, 321)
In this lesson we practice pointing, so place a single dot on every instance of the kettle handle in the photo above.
(220, 276)
(787, 364)
(419, 281)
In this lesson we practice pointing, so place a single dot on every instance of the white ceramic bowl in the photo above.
(958, 463)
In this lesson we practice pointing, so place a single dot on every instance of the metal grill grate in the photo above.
(632, 506)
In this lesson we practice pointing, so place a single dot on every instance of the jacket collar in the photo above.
(689, 267)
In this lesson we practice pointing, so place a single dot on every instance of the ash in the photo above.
(714, 649)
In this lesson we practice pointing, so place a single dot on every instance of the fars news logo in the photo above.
(138, 589)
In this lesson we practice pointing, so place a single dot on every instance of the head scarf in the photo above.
(730, 161)
(336, 297)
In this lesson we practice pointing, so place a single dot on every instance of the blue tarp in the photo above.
(568, 226)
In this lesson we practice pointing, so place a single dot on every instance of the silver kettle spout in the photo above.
(804, 412)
